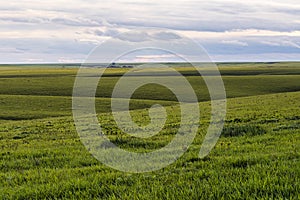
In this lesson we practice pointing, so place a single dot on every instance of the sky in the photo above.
(66, 31)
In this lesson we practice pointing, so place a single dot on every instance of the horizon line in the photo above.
(78, 63)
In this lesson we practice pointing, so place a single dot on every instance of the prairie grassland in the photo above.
(256, 157)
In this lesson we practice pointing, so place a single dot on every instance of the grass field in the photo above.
(256, 157)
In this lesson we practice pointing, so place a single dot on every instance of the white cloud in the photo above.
(155, 58)
(235, 42)
(291, 44)
(34, 60)
(233, 34)
(270, 43)
(285, 43)
(264, 57)
(69, 60)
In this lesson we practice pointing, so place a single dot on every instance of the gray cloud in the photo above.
(21, 20)
(187, 15)
(98, 32)
(166, 36)
(76, 22)
(45, 29)
(134, 36)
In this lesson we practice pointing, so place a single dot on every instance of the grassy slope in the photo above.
(26, 107)
(42, 156)
(45, 159)
(39, 84)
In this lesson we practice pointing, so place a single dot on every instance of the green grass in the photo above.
(59, 82)
(27, 107)
(45, 159)
(257, 157)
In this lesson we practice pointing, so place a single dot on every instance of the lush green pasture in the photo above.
(239, 81)
(45, 159)
(256, 157)
(26, 107)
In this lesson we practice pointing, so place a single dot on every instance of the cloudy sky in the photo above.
(229, 30)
